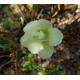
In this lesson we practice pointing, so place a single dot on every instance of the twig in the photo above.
(16, 65)
(10, 68)
(5, 56)
(26, 7)
(70, 7)
(6, 33)
(61, 8)
(28, 11)
(5, 64)
(4, 61)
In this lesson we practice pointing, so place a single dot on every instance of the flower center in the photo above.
(40, 35)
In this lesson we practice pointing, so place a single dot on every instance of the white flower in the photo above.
(40, 38)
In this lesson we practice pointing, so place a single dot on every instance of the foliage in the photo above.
(31, 65)
(78, 72)
(38, 66)
(54, 71)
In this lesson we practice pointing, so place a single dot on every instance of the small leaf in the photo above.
(53, 66)
(25, 68)
(34, 65)
(78, 72)
(30, 67)
(30, 56)
(42, 73)
(57, 68)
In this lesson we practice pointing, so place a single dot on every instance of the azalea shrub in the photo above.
(40, 37)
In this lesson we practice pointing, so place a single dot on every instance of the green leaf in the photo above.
(34, 65)
(12, 42)
(42, 73)
(78, 72)
(30, 67)
(5, 40)
(25, 68)
(57, 68)
(30, 56)
(53, 66)
(32, 60)
(4, 46)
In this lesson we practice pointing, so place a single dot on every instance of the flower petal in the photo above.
(44, 23)
(23, 38)
(46, 52)
(55, 36)
(29, 26)
(37, 25)
(34, 47)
